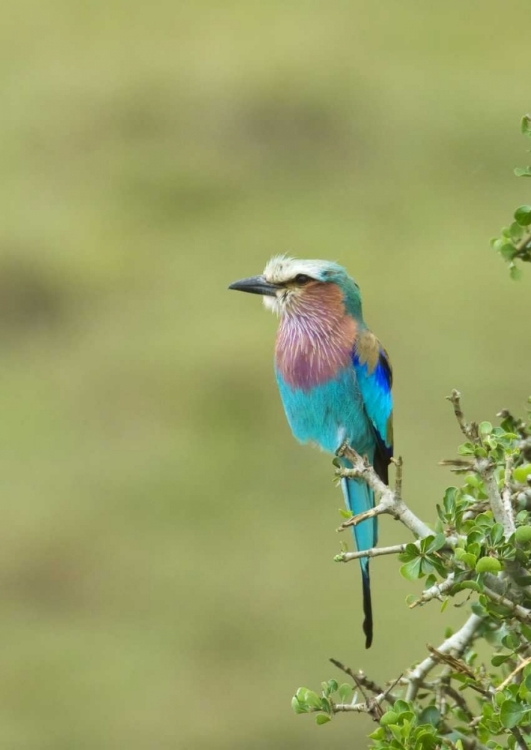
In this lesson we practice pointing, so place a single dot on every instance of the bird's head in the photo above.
(289, 285)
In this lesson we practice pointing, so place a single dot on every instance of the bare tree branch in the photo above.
(390, 502)
(373, 552)
(506, 495)
(501, 507)
(521, 613)
(435, 592)
(486, 469)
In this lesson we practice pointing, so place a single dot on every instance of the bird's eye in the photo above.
(301, 278)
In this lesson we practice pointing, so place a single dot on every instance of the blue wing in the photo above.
(375, 379)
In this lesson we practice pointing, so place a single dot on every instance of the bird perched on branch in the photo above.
(334, 377)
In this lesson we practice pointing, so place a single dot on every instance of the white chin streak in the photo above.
(282, 301)
(273, 304)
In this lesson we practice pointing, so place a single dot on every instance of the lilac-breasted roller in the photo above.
(334, 377)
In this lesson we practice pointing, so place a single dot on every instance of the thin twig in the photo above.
(468, 430)
(357, 682)
(362, 682)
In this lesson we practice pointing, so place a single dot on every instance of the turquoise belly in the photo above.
(328, 414)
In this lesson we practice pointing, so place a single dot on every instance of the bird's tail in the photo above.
(359, 498)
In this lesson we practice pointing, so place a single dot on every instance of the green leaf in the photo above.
(485, 428)
(522, 535)
(472, 585)
(525, 125)
(450, 498)
(466, 558)
(514, 272)
(297, 707)
(322, 719)
(526, 632)
(507, 251)
(411, 570)
(511, 640)
(510, 713)
(484, 519)
(345, 513)
(478, 609)
(496, 533)
(523, 171)
(521, 473)
(516, 232)
(345, 691)
(430, 715)
(499, 698)
(411, 552)
(389, 717)
(436, 543)
(523, 215)
(499, 659)
(312, 699)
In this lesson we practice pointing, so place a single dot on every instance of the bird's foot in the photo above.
(342, 449)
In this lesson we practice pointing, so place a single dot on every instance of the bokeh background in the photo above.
(166, 572)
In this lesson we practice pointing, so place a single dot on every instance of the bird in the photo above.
(334, 378)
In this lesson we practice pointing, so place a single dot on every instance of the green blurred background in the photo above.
(166, 573)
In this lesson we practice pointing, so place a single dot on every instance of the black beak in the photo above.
(255, 285)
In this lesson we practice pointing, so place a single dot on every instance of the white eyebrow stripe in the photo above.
(282, 268)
